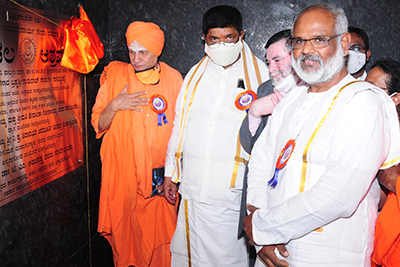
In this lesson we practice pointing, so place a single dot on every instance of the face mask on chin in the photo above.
(224, 55)
(149, 76)
(286, 84)
(356, 61)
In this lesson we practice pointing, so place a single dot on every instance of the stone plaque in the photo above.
(40, 103)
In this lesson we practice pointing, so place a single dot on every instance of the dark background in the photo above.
(56, 224)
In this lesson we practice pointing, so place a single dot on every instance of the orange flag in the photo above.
(82, 46)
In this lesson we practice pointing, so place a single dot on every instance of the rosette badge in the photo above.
(159, 105)
(245, 99)
(283, 158)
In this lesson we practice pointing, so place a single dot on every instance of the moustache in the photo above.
(302, 58)
(276, 73)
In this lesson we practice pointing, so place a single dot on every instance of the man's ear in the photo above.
(368, 54)
(396, 99)
(346, 39)
(242, 34)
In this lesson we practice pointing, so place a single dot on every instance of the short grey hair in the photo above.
(341, 24)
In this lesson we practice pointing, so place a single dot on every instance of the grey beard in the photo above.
(326, 71)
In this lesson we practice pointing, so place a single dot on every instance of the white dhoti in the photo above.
(205, 156)
(206, 236)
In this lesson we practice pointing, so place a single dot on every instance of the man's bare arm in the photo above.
(267, 253)
(388, 177)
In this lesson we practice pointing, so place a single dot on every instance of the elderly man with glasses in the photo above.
(312, 191)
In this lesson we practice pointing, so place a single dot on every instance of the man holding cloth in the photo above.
(312, 173)
(133, 106)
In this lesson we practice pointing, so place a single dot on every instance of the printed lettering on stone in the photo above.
(40, 104)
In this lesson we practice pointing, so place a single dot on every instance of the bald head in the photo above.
(320, 43)
(337, 14)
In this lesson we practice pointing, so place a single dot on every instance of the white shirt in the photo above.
(340, 190)
(363, 76)
(211, 135)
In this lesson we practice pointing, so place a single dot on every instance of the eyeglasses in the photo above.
(316, 42)
(357, 48)
(216, 45)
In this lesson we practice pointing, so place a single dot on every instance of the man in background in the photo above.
(359, 53)
(386, 75)
(283, 79)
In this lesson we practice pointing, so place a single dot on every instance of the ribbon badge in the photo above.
(159, 105)
(245, 99)
(281, 162)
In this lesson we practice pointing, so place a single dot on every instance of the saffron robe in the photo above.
(134, 223)
(387, 232)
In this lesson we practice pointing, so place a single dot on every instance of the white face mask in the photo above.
(224, 55)
(356, 61)
(286, 84)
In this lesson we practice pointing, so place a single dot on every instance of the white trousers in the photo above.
(206, 236)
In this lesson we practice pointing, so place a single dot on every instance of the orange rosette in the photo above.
(245, 99)
(283, 158)
(285, 154)
(159, 105)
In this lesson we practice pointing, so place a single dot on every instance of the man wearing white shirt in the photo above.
(204, 153)
(311, 182)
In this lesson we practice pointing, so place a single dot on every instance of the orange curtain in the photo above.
(82, 46)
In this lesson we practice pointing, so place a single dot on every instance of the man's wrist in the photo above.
(253, 124)
(113, 106)
(253, 114)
